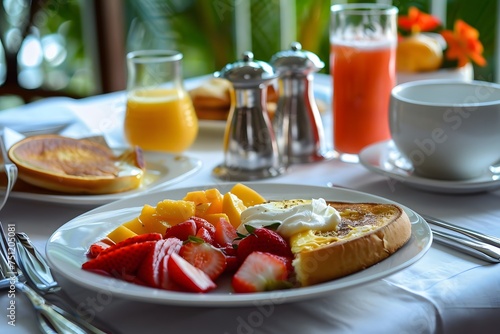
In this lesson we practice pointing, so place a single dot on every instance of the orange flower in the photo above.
(418, 21)
(463, 44)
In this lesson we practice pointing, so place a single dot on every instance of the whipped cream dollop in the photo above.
(294, 216)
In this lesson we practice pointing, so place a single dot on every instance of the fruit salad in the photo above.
(189, 244)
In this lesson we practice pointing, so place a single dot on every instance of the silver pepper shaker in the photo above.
(297, 122)
(250, 149)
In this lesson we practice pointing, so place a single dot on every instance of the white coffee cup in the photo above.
(447, 129)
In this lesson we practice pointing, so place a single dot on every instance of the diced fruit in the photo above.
(207, 201)
(225, 233)
(200, 222)
(213, 218)
(232, 264)
(136, 226)
(204, 234)
(248, 195)
(120, 233)
(123, 262)
(182, 231)
(260, 272)
(204, 256)
(96, 248)
(232, 206)
(175, 211)
(134, 240)
(188, 276)
(166, 282)
(149, 270)
(152, 221)
(264, 240)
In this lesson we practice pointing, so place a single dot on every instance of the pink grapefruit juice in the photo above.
(362, 79)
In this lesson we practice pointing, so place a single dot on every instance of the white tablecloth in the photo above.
(444, 292)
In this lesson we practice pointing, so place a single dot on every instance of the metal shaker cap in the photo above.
(247, 72)
(295, 60)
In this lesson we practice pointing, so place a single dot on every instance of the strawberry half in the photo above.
(97, 248)
(188, 276)
(133, 240)
(122, 262)
(225, 233)
(200, 222)
(261, 272)
(204, 256)
(262, 239)
(149, 271)
(182, 231)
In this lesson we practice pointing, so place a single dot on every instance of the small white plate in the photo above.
(384, 158)
(162, 170)
(67, 246)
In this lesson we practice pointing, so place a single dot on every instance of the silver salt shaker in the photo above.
(250, 148)
(297, 122)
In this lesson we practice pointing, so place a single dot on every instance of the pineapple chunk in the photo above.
(207, 201)
(152, 221)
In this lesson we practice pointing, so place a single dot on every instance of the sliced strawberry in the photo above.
(200, 222)
(97, 248)
(121, 262)
(206, 236)
(182, 231)
(204, 256)
(149, 270)
(134, 240)
(166, 282)
(261, 272)
(232, 264)
(188, 276)
(225, 233)
(263, 240)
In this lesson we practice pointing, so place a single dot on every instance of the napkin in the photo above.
(49, 115)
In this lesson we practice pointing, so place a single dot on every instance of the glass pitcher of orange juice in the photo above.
(159, 115)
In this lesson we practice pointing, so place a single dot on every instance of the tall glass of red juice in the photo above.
(363, 40)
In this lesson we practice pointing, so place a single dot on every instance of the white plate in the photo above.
(162, 170)
(66, 249)
(384, 157)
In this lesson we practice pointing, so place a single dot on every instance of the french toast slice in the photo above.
(77, 166)
(367, 234)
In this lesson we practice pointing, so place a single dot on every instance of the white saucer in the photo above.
(384, 158)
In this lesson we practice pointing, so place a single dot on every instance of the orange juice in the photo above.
(362, 79)
(160, 120)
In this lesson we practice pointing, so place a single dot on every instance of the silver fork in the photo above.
(48, 316)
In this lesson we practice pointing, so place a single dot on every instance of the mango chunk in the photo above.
(120, 233)
(232, 206)
(174, 212)
(247, 195)
(215, 217)
(136, 226)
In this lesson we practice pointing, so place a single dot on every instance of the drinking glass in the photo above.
(159, 115)
(363, 40)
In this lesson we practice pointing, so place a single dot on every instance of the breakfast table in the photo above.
(442, 291)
